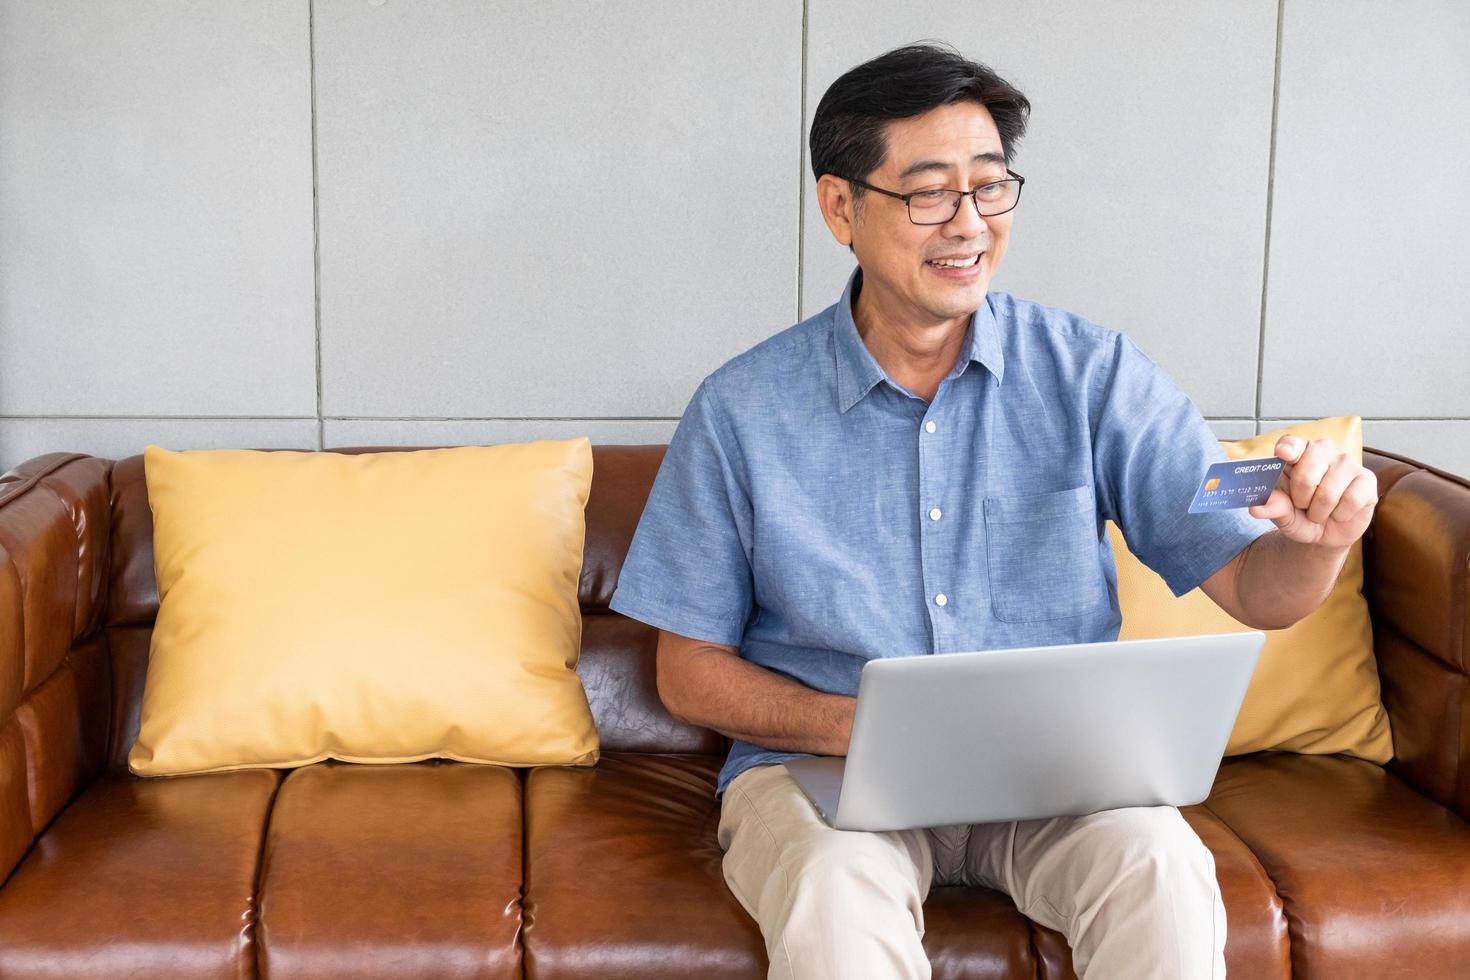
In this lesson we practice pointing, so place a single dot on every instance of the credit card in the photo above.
(1236, 483)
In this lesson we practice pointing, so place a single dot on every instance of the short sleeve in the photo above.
(688, 567)
(1150, 450)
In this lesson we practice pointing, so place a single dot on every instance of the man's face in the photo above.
(954, 146)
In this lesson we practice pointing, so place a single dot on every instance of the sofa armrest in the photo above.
(1417, 583)
(55, 515)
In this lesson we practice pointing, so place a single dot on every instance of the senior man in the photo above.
(822, 503)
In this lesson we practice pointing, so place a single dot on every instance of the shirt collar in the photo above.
(858, 371)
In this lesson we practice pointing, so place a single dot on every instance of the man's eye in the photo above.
(928, 197)
(990, 192)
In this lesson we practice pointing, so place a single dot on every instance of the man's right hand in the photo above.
(709, 684)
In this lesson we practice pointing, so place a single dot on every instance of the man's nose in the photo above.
(966, 222)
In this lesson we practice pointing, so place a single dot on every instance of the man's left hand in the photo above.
(1323, 497)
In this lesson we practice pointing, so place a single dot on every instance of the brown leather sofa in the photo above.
(1331, 867)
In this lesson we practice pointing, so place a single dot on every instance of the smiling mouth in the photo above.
(966, 262)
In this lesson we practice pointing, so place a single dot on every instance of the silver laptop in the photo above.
(1034, 732)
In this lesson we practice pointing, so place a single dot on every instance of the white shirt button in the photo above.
(929, 426)
(935, 515)
(941, 599)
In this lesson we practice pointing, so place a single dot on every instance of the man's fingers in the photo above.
(1361, 494)
(1309, 470)
(1288, 448)
(1277, 508)
(1329, 492)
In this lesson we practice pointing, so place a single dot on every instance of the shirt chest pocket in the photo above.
(1042, 553)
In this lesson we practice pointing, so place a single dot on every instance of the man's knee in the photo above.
(1155, 842)
(864, 881)
(1143, 881)
(849, 859)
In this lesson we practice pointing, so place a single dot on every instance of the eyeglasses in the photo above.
(939, 206)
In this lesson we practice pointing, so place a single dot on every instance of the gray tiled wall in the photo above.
(353, 222)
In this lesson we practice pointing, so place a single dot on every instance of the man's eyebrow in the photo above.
(925, 166)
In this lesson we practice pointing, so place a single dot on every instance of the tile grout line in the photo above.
(801, 170)
(503, 418)
(1270, 200)
(316, 236)
(582, 418)
(340, 418)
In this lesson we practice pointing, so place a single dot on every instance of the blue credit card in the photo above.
(1236, 483)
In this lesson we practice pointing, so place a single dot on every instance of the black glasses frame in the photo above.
(1020, 182)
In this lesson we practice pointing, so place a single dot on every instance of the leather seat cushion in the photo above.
(393, 871)
(1374, 876)
(147, 878)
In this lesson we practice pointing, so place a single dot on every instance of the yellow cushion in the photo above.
(382, 607)
(1315, 689)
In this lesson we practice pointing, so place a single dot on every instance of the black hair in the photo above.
(847, 137)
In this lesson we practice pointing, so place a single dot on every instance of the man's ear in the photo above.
(834, 197)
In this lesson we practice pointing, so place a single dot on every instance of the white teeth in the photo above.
(955, 263)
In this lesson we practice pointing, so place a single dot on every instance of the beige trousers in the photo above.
(1133, 890)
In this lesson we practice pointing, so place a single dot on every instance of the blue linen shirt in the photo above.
(815, 514)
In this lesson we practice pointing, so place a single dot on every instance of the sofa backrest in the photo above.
(54, 662)
(78, 599)
(617, 662)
